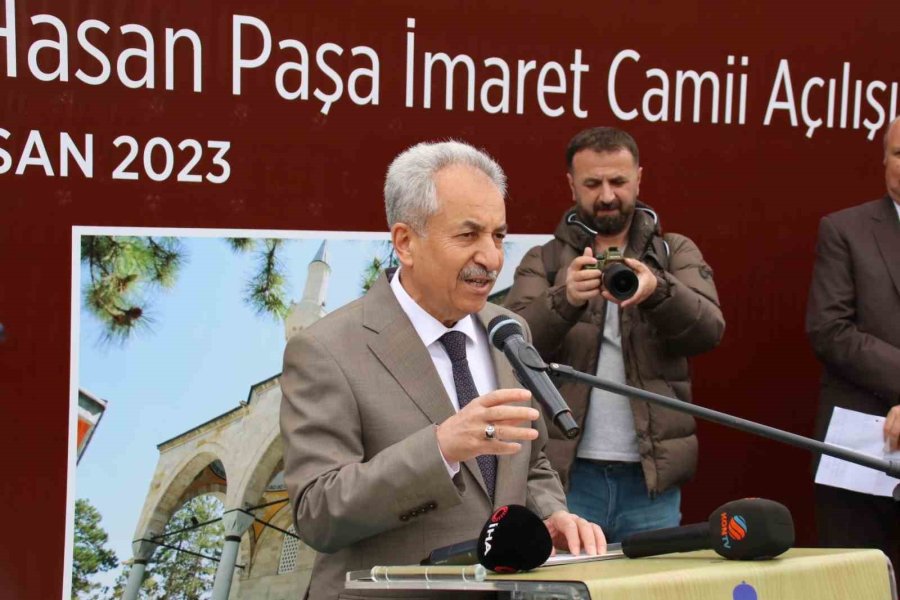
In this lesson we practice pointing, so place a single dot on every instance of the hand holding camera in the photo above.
(620, 280)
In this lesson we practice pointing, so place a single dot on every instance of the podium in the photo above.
(815, 573)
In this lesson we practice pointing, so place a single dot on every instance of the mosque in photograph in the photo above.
(238, 458)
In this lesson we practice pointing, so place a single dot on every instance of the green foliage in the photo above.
(90, 554)
(149, 589)
(184, 576)
(266, 292)
(386, 259)
(240, 244)
(124, 269)
(121, 272)
(175, 575)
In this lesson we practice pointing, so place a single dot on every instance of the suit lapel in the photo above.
(401, 351)
(887, 236)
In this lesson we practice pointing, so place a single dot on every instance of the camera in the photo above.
(618, 279)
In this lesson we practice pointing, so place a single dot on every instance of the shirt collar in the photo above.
(428, 328)
(897, 207)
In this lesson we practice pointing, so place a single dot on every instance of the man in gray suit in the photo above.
(403, 428)
(853, 323)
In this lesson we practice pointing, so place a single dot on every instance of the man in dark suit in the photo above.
(403, 428)
(853, 323)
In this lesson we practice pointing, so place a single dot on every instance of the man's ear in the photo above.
(571, 181)
(404, 239)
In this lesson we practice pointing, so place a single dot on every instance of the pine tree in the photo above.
(121, 272)
(266, 292)
(386, 259)
(149, 589)
(183, 576)
(90, 554)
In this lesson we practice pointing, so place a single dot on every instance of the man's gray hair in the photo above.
(887, 130)
(409, 192)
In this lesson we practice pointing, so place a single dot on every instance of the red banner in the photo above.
(754, 119)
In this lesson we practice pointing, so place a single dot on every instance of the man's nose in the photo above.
(490, 255)
(607, 194)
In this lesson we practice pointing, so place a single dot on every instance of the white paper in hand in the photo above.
(863, 433)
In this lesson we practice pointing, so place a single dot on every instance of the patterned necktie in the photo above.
(454, 343)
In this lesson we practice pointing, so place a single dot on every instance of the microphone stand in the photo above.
(889, 467)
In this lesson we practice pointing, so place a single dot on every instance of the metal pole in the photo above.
(890, 467)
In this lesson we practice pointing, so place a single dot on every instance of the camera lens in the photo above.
(620, 281)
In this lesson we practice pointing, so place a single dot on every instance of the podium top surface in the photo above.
(824, 574)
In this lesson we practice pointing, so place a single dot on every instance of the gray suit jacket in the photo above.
(361, 397)
(853, 314)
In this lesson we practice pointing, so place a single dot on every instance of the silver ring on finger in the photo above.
(490, 432)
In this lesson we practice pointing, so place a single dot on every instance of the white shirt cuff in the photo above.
(452, 468)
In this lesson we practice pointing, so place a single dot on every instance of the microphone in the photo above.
(513, 539)
(748, 529)
(505, 334)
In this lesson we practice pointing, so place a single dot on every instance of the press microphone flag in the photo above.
(513, 539)
(748, 529)
(506, 334)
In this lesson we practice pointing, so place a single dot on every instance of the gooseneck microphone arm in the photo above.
(890, 467)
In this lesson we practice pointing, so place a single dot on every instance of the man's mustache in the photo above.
(476, 272)
(615, 204)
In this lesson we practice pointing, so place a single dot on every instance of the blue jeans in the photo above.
(615, 497)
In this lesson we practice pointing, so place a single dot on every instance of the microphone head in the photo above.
(514, 539)
(500, 328)
(751, 529)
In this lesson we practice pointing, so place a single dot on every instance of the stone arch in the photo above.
(188, 481)
(266, 465)
(269, 542)
(263, 577)
(268, 462)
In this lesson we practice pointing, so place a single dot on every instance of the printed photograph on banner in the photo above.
(175, 401)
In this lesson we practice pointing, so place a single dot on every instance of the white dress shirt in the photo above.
(897, 206)
(430, 330)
